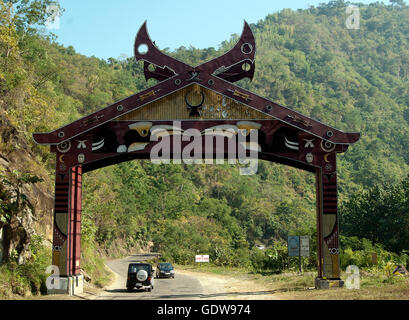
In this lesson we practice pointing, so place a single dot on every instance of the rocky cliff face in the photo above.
(36, 217)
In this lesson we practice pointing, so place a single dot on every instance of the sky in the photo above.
(107, 28)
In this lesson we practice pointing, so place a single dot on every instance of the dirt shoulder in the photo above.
(294, 286)
(223, 287)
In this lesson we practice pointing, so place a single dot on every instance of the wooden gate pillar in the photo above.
(327, 221)
(74, 253)
(67, 222)
(61, 225)
(67, 228)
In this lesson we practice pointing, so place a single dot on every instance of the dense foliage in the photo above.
(381, 214)
(355, 80)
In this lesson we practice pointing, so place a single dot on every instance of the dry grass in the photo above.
(295, 286)
(372, 287)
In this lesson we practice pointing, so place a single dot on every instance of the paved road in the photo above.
(181, 287)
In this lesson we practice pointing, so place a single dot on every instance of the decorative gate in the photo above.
(202, 97)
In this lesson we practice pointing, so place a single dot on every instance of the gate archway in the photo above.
(203, 98)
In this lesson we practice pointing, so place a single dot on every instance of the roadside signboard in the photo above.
(293, 246)
(202, 258)
(304, 246)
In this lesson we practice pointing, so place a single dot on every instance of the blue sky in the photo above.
(107, 28)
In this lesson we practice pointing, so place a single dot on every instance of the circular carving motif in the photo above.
(327, 146)
(246, 48)
(64, 147)
(334, 250)
(143, 48)
(194, 108)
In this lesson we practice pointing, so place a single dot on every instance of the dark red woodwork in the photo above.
(99, 140)
(318, 191)
(74, 252)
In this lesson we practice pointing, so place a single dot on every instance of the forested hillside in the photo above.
(354, 80)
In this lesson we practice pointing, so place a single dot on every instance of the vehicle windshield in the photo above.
(134, 268)
(165, 266)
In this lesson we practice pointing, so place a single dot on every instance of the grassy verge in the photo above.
(374, 285)
(28, 280)
(92, 263)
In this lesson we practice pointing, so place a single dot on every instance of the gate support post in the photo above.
(67, 232)
(75, 220)
(327, 227)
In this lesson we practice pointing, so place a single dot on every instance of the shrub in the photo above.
(355, 251)
(29, 277)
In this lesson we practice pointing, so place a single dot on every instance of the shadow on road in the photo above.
(199, 295)
(124, 290)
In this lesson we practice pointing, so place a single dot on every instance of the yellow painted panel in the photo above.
(174, 107)
(328, 223)
(61, 219)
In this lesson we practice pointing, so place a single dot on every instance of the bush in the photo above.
(93, 264)
(355, 251)
(28, 278)
(273, 259)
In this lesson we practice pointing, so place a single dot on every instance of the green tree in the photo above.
(32, 12)
(381, 214)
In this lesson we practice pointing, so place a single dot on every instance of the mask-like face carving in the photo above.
(81, 158)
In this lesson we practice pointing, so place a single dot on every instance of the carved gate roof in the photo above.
(204, 92)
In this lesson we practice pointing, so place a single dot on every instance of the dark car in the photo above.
(165, 270)
(140, 276)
